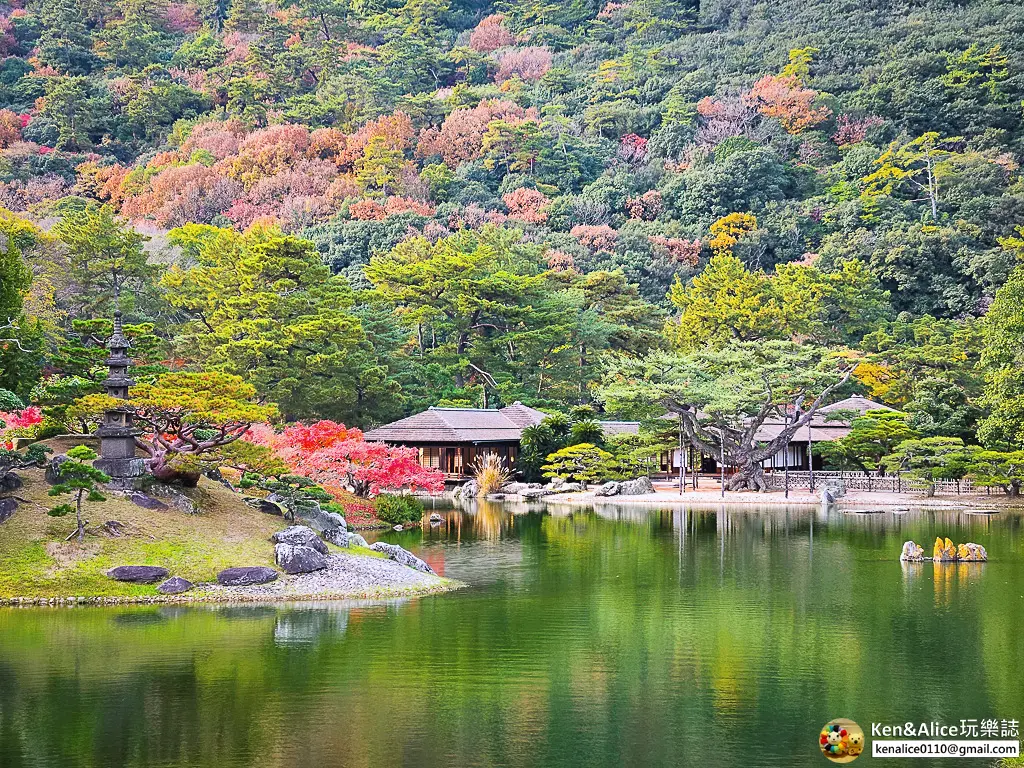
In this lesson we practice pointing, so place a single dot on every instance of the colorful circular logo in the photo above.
(841, 740)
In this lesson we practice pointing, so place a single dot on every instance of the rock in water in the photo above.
(638, 487)
(401, 556)
(608, 489)
(246, 576)
(300, 536)
(944, 551)
(435, 517)
(298, 559)
(175, 586)
(912, 552)
(827, 499)
(972, 553)
(535, 493)
(468, 491)
(138, 574)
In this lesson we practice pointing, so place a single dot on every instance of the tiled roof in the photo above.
(620, 428)
(856, 403)
(459, 425)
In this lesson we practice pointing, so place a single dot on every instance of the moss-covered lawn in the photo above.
(35, 561)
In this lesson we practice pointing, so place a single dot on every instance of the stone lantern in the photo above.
(117, 433)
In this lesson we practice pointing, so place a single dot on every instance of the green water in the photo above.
(633, 637)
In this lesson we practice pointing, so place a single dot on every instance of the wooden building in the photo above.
(452, 439)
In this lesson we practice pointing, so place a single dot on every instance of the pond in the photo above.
(621, 636)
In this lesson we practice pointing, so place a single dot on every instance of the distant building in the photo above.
(798, 453)
(452, 439)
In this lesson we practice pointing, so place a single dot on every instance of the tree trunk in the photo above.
(749, 475)
(78, 516)
(160, 468)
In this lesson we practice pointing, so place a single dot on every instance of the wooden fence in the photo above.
(858, 481)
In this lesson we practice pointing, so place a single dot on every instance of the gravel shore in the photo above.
(345, 576)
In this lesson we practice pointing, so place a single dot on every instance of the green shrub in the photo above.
(397, 510)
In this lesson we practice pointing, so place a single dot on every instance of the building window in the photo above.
(430, 457)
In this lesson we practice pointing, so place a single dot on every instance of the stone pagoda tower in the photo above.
(117, 433)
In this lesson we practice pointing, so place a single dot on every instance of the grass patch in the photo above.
(35, 561)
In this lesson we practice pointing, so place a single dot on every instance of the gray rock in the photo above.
(52, 474)
(138, 574)
(10, 482)
(469, 491)
(556, 482)
(345, 539)
(175, 498)
(298, 559)
(175, 586)
(608, 489)
(827, 497)
(246, 576)
(320, 520)
(7, 509)
(517, 488)
(535, 493)
(435, 517)
(565, 487)
(300, 536)
(398, 528)
(638, 487)
(912, 552)
(401, 556)
(266, 506)
(146, 502)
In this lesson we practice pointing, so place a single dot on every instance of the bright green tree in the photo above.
(262, 305)
(79, 479)
(583, 463)
(929, 459)
(871, 437)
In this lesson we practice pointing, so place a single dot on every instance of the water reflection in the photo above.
(622, 635)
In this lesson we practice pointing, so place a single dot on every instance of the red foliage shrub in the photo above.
(646, 207)
(526, 205)
(596, 237)
(676, 248)
(460, 137)
(852, 130)
(490, 35)
(785, 98)
(529, 63)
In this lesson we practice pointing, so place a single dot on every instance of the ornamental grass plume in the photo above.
(490, 474)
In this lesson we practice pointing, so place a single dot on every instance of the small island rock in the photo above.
(138, 574)
(401, 556)
(175, 586)
(300, 536)
(298, 559)
(944, 551)
(912, 552)
(610, 488)
(972, 553)
(246, 576)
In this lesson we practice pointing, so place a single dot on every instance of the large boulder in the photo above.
(319, 519)
(608, 489)
(175, 586)
(300, 536)
(943, 551)
(972, 553)
(266, 506)
(298, 559)
(7, 509)
(402, 556)
(138, 574)
(246, 576)
(518, 488)
(469, 491)
(912, 552)
(639, 487)
(345, 539)
(52, 474)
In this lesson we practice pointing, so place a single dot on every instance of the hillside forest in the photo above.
(363, 208)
